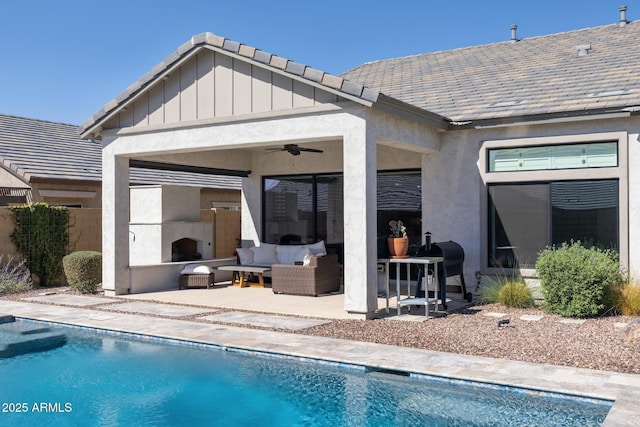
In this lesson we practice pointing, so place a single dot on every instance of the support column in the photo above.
(251, 212)
(360, 216)
(115, 224)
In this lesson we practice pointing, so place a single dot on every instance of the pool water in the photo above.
(104, 379)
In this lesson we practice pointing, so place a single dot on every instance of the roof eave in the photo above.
(333, 84)
(549, 118)
(92, 127)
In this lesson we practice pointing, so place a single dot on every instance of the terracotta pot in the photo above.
(398, 247)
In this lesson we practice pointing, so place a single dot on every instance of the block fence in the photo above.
(85, 232)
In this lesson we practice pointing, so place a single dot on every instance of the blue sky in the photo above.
(62, 60)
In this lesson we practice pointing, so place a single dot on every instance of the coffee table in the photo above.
(238, 272)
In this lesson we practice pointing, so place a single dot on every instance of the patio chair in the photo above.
(320, 276)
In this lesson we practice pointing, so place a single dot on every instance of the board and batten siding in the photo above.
(212, 85)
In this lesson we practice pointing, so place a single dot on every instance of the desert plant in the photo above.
(42, 237)
(14, 277)
(488, 294)
(398, 230)
(625, 299)
(83, 270)
(515, 294)
(576, 280)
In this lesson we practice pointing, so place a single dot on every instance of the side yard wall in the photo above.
(85, 233)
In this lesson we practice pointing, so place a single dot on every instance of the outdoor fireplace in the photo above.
(185, 249)
(165, 226)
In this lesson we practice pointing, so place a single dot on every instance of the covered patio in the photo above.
(226, 108)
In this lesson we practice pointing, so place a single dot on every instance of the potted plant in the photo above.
(398, 241)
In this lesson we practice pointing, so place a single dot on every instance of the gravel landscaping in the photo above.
(604, 343)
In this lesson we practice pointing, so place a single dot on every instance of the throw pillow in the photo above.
(305, 253)
(318, 249)
(264, 255)
(245, 255)
(307, 259)
(196, 269)
(289, 254)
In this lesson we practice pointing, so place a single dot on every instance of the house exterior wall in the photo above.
(8, 179)
(68, 194)
(455, 193)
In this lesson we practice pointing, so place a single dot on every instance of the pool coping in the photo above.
(623, 389)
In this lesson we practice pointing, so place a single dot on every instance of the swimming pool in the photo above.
(100, 378)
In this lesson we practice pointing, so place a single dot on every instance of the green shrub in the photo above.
(14, 278)
(83, 270)
(41, 236)
(626, 299)
(515, 294)
(576, 280)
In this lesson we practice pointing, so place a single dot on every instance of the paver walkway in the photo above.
(266, 320)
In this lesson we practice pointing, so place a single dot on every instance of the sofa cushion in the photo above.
(196, 269)
(318, 249)
(245, 255)
(289, 254)
(265, 254)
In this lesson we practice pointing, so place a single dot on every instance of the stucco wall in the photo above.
(453, 189)
(86, 195)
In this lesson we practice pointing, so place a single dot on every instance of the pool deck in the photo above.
(164, 320)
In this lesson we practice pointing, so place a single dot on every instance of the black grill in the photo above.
(452, 265)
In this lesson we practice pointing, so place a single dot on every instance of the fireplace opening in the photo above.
(185, 249)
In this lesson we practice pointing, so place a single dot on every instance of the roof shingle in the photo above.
(33, 148)
(539, 75)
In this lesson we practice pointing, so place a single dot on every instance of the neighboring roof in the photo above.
(535, 76)
(31, 148)
(330, 82)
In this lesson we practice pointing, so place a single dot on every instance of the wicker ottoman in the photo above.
(188, 280)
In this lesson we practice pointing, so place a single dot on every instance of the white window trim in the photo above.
(619, 172)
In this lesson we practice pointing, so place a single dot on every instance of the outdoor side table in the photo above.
(409, 300)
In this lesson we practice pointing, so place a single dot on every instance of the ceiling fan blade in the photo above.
(294, 149)
(311, 150)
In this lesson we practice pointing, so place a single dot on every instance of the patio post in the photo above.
(360, 207)
(115, 223)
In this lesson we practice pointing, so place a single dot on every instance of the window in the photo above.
(400, 198)
(547, 157)
(525, 218)
(289, 209)
(309, 208)
(545, 191)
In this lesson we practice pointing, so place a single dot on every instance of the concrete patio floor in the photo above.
(329, 306)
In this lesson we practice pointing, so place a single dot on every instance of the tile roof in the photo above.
(534, 76)
(33, 148)
(336, 83)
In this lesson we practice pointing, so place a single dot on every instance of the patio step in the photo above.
(17, 338)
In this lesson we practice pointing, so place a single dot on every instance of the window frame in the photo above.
(619, 172)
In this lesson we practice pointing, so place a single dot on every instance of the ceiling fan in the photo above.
(295, 149)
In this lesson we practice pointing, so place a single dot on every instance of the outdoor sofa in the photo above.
(296, 269)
